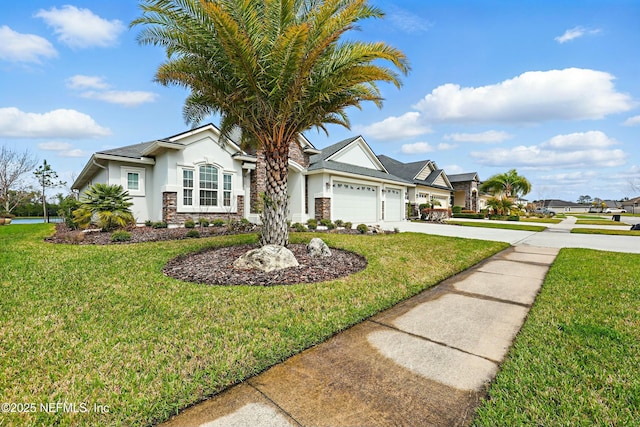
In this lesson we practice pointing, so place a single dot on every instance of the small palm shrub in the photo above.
(218, 222)
(204, 222)
(105, 205)
(362, 228)
(189, 223)
(120, 236)
(348, 225)
(327, 223)
(159, 224)
(312, 223)
(339, 223)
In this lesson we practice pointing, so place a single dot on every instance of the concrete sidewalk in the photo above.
(424, 362)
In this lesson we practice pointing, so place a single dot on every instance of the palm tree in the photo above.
(508, 184)
(106, 204)
(273, 69)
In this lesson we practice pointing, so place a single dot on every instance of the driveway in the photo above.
(556, 235)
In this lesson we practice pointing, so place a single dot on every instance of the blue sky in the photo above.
(548, 88)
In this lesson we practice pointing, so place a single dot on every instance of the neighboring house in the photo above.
(431, 184)
(466, 192)
(199, 174)
(631, 205)
(562, 206)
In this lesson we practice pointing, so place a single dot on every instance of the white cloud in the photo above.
(632, 121)
(18, 47)
(444, 146)
(407, 21)
(80, 28)
(416, 148)
(575, 33)
(73, 153)
(571, 178)
(53, 124)
(125, 98)
(532, 97)
(86, 82)
(393, 128)
(54, 146)
(490, 136)
(578, 150)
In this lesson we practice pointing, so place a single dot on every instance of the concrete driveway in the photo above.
(556, 235)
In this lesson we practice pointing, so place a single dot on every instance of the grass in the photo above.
(629, 232)
(101, 325)
(510, 226)
(575, 361)
(602, 221)
(553, 220)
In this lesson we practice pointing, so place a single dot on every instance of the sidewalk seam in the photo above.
(280, 408)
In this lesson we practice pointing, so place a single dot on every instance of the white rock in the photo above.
(267, 258)
(318, 248)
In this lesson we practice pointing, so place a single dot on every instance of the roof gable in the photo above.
(356, 152)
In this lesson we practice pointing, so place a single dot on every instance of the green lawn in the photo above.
(553, 220)
(628, 232)
(511, 226)
(602, 221)
(575, 361)
(101, 325)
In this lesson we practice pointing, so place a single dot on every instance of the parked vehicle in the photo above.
(614, 211)
(545, 211)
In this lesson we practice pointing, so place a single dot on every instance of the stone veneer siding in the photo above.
(470, 203)
(259, 176)
(170, 213)
(323, 208)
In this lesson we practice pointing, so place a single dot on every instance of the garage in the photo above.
(393, 205)
(356, 203)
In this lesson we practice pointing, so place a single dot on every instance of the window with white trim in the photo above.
(226, 190)
(187, 187)
(208, 185)
(132, 180)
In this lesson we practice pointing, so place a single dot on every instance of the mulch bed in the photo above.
(215, 267)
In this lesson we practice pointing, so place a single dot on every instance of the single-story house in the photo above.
(198, 173)
(431, 183)
(631, 205)
(562, 206)
(466, 191)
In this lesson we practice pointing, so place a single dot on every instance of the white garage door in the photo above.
(354, 203)
(393, 205)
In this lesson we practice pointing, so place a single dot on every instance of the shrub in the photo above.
(456, 209)
(339, 223)
(159, 224)
(148, 223)
(327, 223)
(299, 227)
(189, 223)
(469, 215)
(218, 222)
(109, 204)
(67, 207)
(513, 218)
(204, 222)
(193, 233)
(312, 223)
(348, 225)
(120, 236)
(362, 228)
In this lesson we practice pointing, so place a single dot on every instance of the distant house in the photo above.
(198, 173)
(562, 206)
(431, 183)
(631, 205)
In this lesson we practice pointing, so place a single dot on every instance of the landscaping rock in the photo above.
(318, 248)
(267, 258)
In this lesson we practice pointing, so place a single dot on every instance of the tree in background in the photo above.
(273, 69)
(585, 200)
(13, 166)
(47, 178)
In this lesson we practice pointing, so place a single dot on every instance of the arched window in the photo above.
(208, 184)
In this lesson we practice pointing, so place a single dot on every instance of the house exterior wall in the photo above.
(466, 195)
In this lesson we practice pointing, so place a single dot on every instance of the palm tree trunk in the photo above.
(275, 230)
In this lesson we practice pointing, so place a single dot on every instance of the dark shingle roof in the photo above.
(131, 151)
(461, 177)
(408, 171)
